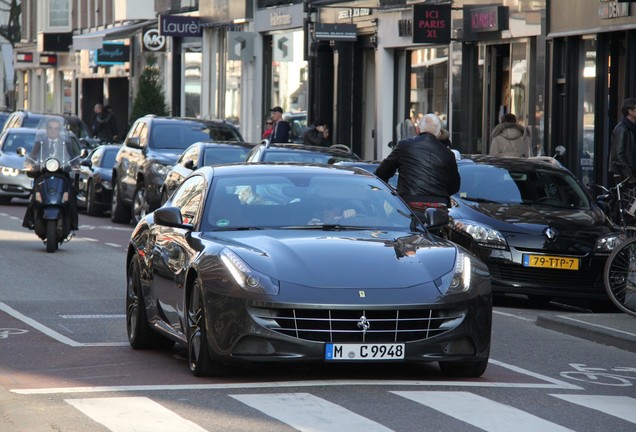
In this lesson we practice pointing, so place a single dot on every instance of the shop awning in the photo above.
(95, 40)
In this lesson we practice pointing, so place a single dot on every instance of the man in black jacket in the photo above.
(428, 173)
(623, 154)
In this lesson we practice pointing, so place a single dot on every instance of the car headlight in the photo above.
(458, 280)
(246, 277)
(160, 169)
(52, 165)
(8, 171)
(609, 242)
(481, 234)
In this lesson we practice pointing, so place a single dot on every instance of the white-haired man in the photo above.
(428, 169)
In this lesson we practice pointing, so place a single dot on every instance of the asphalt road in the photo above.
(65, 365)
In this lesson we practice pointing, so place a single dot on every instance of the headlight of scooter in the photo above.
(52, 165)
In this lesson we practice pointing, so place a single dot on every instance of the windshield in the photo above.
(492, 184)
(221, 155)
(305, 157)
(13, 141)
(52, 141)
(303, 201)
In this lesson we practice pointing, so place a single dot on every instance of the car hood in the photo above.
(352, 259)
(525, 226)
(164, 156)
(12, 161)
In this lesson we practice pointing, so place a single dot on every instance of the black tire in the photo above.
(51, 236)
(464, 369)
(5, 200)
(119, 213)
(619, 276)
(140, 335)
(140, 206)
(92, 208)
(199, 359)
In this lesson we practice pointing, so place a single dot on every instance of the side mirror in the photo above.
(86, 163)
(171, 217)
(84, 153)
(21, 151)
(190, 165)
(133, 142)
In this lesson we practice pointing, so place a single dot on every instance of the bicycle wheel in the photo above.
(620, 276)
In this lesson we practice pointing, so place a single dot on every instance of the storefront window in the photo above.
(233, 92)
(192, 82)
(429, 82)
(49, 101)
(587, 110)
(289, 72)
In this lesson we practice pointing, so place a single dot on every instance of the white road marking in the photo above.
(486, 414)
(623, 407)
(87, 239)
(93, 316)
(115, 245)
(106, 227)
(133, 414)
(309, 413)
(519, 317)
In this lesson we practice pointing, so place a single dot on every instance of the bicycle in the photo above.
(619, 275)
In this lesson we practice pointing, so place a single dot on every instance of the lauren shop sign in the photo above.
(179, 26)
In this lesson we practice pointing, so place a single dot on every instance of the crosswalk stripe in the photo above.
(309, 413)
(130, 414)
(491, 416)
(623, 407)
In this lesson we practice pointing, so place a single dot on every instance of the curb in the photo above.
(618, 330)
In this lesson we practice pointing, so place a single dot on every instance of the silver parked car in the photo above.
(14, 182)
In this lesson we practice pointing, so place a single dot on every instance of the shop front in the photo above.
(593, 61)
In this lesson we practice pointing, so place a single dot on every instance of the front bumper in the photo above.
(19, 186)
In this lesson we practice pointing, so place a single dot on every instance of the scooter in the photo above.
(51, 201)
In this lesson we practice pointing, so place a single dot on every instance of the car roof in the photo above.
(258, 168)
(22, 130)
(304, 147)
(513, 162)
(209, 144)
(161, 119)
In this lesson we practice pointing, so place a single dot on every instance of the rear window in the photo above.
(223, 155)
(31, 122)
(182, 135)
(17, 140)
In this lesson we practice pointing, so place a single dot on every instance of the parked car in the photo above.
(14, 182)
(95, 185)
(266, 152)
(236, 268)
(28, 119)
(297, 125)
(148, 153)
(202, 154)
(534, 225)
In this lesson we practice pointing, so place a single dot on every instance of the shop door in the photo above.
(92, 93)
(118, 91)
(497, 88)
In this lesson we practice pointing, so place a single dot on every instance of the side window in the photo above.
(192, 154)
(143, 135)
(188, 198)
(96, 156)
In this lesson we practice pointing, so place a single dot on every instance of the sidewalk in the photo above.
(615, 329)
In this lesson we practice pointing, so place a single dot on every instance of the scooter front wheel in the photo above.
(51, 237)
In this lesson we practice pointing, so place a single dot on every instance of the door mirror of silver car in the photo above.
(21, 151)
(170, 216)
(133, 142)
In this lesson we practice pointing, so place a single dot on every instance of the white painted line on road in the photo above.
(93, 316)
(52, 333)
(106, 227)
(551, 384)
(485, 414)
(617, 406)
(131, 414)
(309, 413)
(87, 239)
(513, 316)
(36, 325)
(115, 245)
(596, 325)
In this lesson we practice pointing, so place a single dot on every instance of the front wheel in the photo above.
(118, 211)
(51, 236)
(92, 208)
(464, 369)
(140, 206)
(619, 276)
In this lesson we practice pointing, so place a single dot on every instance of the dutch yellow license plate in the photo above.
(554, 262)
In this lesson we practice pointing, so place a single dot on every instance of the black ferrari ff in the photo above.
(302, 263)
(535, 226)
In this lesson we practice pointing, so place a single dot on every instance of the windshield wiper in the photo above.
(239, 228)
(415, 222)
(481, 200)
(326, 227)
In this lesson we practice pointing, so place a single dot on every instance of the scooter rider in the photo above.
(54, 143)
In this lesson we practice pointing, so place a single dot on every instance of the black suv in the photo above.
(31, 120)
(150, 149)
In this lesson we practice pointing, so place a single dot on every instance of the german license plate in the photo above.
(364, 351)
(555, 262)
